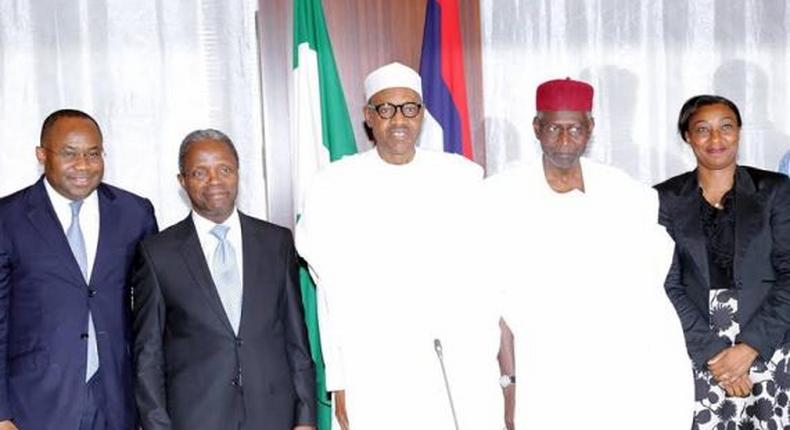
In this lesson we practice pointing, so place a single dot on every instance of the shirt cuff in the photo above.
(335, 377)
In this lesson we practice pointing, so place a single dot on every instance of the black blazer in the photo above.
(192, 371)
(761, 261)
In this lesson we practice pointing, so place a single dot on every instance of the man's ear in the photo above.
(536, 127)
(41, 154)
(182, 180)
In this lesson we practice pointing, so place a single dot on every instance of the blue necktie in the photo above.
(77, 245)
(226, 276)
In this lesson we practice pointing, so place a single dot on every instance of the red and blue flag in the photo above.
(443, 81)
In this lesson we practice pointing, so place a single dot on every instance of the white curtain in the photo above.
(149, 71)
(644, 58)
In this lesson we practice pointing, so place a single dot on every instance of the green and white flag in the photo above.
(320, 133)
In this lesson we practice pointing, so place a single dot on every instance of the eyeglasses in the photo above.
(202, 174)
(553, 131)
(388, 110)
(70, 156)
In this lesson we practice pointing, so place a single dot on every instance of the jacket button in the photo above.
(239, 342)
(91, 292)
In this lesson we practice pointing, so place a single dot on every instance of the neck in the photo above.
(715, 183)
(215, 218)
(397, 159)
(563, 180)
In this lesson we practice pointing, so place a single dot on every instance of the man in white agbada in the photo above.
(381, 234)
(582, 261)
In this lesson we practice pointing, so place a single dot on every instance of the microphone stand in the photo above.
(437, 346)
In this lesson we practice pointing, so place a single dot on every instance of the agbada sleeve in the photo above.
(315, 244)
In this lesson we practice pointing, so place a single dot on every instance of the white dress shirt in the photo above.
(209, 242)
(89, 220)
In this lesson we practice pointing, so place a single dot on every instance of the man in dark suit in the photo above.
(66, 250)
(220, 341)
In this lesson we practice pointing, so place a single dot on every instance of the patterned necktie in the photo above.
(226, 276)
(77, 245)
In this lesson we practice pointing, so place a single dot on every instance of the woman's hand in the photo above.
(741, 387)
(729, 365)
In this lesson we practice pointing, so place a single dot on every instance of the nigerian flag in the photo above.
(320, 133)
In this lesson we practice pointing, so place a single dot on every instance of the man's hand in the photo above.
(340, 409)
(7, 425)
(732, 363)
(507, 366)
(304, 428)
(510, 406)
(741, 387)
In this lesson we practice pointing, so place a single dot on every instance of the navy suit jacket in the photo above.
(44, 303)
(192, 370)
(761, 261)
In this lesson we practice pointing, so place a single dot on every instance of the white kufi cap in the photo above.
(393, 75)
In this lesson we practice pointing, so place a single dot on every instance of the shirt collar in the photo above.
(395, 167)
(204, 225)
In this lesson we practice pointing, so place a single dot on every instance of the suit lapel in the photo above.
(748, 218)
(42, 215)
(690, 226)
(197, 265)
(252, 257)
(108, 232)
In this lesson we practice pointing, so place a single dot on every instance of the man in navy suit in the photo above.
(66, 249)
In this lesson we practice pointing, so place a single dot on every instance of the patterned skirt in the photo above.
(768, 407)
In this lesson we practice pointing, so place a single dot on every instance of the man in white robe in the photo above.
(581, 260)
(382, 233)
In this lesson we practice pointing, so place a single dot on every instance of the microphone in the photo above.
(437, 346)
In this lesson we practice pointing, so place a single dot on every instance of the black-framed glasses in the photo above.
(70, 155)
(388, 110)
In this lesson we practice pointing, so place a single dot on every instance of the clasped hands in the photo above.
(730, 368)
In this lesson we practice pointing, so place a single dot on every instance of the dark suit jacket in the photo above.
(44, 303)
(761, 261)
(192, 371)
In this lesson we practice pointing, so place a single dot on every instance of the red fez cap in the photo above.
(564, 94)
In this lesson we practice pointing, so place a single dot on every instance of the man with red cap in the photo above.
(581, 259)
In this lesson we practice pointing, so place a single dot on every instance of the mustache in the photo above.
(396, 128)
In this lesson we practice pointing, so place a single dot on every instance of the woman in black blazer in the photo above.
(730, 277)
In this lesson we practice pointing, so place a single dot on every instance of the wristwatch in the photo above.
(507, 380)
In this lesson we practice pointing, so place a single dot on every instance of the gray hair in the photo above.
(205, 134)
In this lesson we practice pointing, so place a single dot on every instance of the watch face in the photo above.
(505, 381)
